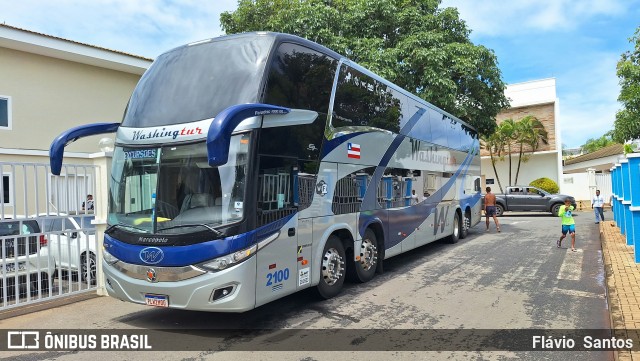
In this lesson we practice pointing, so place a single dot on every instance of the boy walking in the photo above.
(568, 224)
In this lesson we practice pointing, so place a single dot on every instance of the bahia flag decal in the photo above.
(353, 151)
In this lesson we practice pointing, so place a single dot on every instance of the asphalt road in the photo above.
(516, 279)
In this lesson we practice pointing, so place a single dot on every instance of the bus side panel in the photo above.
(304, 253)
(277, 270)
(443, 219)
(323, 193)
(426, 232)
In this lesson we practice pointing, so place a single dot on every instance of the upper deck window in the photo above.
(364, 101)
(300, 78)
(197, 82)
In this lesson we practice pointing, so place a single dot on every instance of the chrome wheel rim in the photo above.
(332, 267)
(368, 254)
(89, 272)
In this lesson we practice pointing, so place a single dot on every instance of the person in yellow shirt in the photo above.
(568, 224)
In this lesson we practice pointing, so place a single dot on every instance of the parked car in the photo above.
(528, 198)
(72, 242)
(24, 257)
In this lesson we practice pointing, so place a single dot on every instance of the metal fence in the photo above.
(48, 242)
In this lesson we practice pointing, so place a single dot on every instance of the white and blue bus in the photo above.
(248, 167)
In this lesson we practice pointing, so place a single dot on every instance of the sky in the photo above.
(577, 42)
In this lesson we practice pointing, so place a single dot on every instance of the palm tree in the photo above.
(508, 131)
(495, 145)
(529, 132)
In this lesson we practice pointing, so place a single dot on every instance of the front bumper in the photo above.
(190, 294)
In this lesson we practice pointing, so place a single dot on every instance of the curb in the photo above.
(622, 290)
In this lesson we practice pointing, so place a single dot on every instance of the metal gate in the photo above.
(47, 238)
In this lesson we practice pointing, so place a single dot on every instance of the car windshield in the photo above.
(16, 228)
(86, 223)
(172, 189)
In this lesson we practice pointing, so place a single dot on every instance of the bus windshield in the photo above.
(172, 189)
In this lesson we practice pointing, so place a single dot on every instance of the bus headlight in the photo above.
(108, 257)
(223, 262)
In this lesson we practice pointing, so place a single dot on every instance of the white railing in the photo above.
(46, 233)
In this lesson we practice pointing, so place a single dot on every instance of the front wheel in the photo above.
(43, 286)
(499, 210)
(88, 269)
(332, 268)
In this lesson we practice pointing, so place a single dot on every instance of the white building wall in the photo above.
(543, 164)
(538, 166)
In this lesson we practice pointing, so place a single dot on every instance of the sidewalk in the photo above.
(623, 286)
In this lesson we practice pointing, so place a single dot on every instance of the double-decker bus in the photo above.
(248, 167)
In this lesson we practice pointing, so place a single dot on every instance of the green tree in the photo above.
(413, 43)
(530, 133)
(627, 124)
(593, 144)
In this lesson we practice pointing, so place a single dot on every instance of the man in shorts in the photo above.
(568, 224)
(490, 208)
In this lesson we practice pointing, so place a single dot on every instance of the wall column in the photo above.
(103, 162)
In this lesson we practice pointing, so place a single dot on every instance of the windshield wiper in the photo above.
(213, 230)
(113, 226)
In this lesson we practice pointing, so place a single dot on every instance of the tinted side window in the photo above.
(350, 191)
(300, 78)
(298, 141)
(363, 101)
(283, 187)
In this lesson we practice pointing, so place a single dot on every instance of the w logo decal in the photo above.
(151, 255)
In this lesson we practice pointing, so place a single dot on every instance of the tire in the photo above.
(44, 285)
(332, 268)
(555, 209)
(365, 269)
(88, 269)
(499, 210)
(457, 225)
(466, 224)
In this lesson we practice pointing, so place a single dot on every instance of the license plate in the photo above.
(11, 267)
(156, 300)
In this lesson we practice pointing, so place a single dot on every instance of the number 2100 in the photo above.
(277, 276)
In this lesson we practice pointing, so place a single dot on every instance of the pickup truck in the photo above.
(528, 198)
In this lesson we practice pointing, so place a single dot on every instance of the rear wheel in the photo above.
(332, 268)
(466, 224)
(364, 269)
(555, 209)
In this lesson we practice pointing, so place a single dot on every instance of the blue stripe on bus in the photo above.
(176, 256)
(369, 200)
(403, 222)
